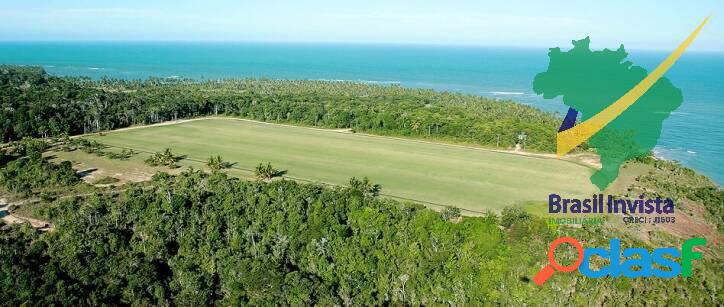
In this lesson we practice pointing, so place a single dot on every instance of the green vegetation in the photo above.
(267, 172)
(458, 176)
(67, 144)
(211, 239)
(163, 158)
(670, 179)
(37, 105)
(713, 200)
(107, 180)
(25, 170)
(451, 213)
(365, 187)
(87, 146)
(205, 239)
(125, 154)
(25, 174)
(215, 163)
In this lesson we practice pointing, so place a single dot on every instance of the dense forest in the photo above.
(202, 239)
(35, 104)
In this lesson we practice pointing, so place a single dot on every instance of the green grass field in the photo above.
(468, 178)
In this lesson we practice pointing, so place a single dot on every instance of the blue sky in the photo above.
(638, 24)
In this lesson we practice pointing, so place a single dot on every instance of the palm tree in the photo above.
(166, 158)
(216, 163)
(365, 186)
(267, 172)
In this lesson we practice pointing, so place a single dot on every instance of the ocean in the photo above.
(693, 134)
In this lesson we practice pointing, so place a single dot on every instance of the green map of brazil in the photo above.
(589, 81)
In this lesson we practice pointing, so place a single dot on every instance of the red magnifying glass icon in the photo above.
(547, 271)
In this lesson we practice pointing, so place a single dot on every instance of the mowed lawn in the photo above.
(465, 177)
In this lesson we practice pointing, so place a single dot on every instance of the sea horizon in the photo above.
(498, 72)
(341, 43)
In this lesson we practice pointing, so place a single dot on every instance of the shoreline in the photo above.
(701, 163)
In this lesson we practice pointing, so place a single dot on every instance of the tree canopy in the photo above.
(35, 104)
(206, 239)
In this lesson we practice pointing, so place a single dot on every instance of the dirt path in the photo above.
(10, 218)
(166, 123)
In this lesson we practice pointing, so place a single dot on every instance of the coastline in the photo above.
(503, 74)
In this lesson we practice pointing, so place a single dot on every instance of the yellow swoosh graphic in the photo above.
(568, 140)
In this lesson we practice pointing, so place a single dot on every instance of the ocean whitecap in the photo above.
(507, 93)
